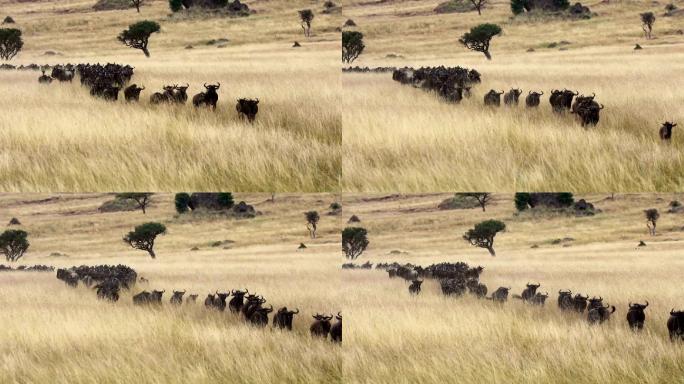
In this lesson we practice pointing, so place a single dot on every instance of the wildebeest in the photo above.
(599, 313)
(111, 93)
(177, 297)
(414, 288)
(247, 108)
(63, 73)
(565, 301)
(220, 301)
(528, 293)
(235, 304)
(132, 92)
(180, 94)
(561, 100)
(532, 99)
(501, 294)
(511, 97)
(321, 325)
(636, 315)
(336, 329)
(666, 131)
(163, 97)
(589, 113)
(44, 79)
(283, 318)
(260, 316)
(581, 100)
(477, 289)
(209, 301)
(191, 298)
(580, 303)
(141, 298)
(539, 298)
(493, 98)
(207, 98)
(452, 94)
(253, 303)
(108, 289)
(70, 278)
(675, 325)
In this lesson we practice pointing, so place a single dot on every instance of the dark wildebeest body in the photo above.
(565, 301)
(260, 316)
(180, 94)
(321, 326)
(141, 298)
(209, 301)
(580, 303)
(529, 292)
(177, 297)
(589, 113)
(636, 316)
(501, 294)
(675, 325)
(283, 318)
(220, 301)
(477, 289)
(511, 97)
(600, 314)
(253, 303)
(532, 99)
(163, 97)
(191, 299)
(108, 289)
(235, 304)
(666, 131)
(539, 299)
(111, 93)
(414, 288)
(336, 329)
(132, 92)
(247, 108)
(580, 101)
(207, 98)
(44, 79)
(493, 98)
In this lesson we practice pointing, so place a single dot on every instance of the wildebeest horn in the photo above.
(630, 304)
(593, 94)
(541, 93)
(674, 125)
(576, 93)
(187, 85)
(646, 304)
(218, 85)
(601, 106)
(295, 311)
(529, 92)
(672, 311)
(142, 88)
(205, 85)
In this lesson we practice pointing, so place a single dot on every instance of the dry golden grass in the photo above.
(400, 138)
(396, 338)
(55, 334)
(59, 138)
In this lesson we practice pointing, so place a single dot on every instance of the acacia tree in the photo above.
(137, 4)
(354, 242)
(312, 218)
(479, 37)
(143, 236)
(483, 198)
(10, 43)
(479, 4)
(482, 235)
(352, 45)
(138, 35)
(306, 16)
(652, 216)
(647, 21)
(13, 244)
(143, 199)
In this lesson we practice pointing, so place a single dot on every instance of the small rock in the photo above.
(349, 23)
(296, 44)
(530, 49)
(189, 47)
(641, 244)
(302, 246)
(637, 47)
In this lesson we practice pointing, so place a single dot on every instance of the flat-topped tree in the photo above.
(479, 38)
(137, 4)
(483, 198)
(354, 242)
(652, 216)
(138, 35)
(306, 16)
(10, 43)
(352, 46)
(312, 219)
(143, 236)
(482, 235)
(143, 199)
(13, 244)
(479, 4)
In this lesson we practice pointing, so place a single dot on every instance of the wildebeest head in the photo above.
(511, 97)
(192, 298)
(212, 87)
(637, 306)
(666, 130)
(248, 108)
(238, 293)
(595, 302)
(493, 98)
(156, 295)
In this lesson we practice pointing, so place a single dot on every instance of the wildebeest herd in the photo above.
(108, 281)
(457, 278)
(109, 80)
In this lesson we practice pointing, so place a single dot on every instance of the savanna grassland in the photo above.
(55, 334)
(59, 138)
(398, 338)
(401, 138)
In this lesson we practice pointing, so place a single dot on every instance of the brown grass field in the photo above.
(396, 338)
(59, 138)
(55, 334)
(400, 138)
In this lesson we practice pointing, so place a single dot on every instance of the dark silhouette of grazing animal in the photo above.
(636, 316)
(220, 301)
(259, 317)
(108, 289)
(180, 94)
(599, 314)
(336, 329)
(163, 97)
(532, 99)
(500, 295)
(565, 301)
(581, 100)
(580, 303)
(145, 297)
(556, 100)
(493, 98)
(452, 94)
(566, 98)
(528, 293)
(191, 299)
(253, 303)
(283, 318)
(156, 296)
(321, 326)
(675, 325)
(207, 98)
(132, 92)
(392, 272)
(414, 288)
(666, 131)
(511, 97)
(209, 301)
(44, 79)
(477, 289)
(111, 93)
(247, 108)
(589, 113)
(539, 299)
(235, 304)
(177, 297)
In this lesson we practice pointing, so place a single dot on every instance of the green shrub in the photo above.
(182, 202)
